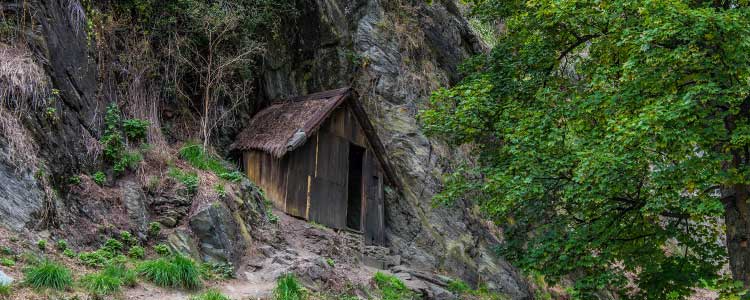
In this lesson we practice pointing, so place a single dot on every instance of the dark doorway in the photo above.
(354, 204)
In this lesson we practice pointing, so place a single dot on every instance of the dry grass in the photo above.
(23, 83)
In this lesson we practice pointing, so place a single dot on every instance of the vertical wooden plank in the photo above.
(374, 219)
(329, 187)
(301, 164)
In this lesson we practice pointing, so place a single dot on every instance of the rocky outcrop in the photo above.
(21, 197)
(394, 53)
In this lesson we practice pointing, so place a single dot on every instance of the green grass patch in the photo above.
(288, 288)
(188, 179)
(110, 280)
(201, 159)
(210, 295)
(176, 271)
(48, 274)
(392, 288)
(7, 262)
(5, 291)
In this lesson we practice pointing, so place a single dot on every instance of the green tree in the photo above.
(611, 139)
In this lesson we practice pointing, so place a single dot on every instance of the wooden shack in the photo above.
(318, 158)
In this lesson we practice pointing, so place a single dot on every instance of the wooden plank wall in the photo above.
(269, 173)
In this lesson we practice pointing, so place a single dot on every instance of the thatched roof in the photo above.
(284, 126)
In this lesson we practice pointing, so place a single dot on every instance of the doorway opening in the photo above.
(354, 203)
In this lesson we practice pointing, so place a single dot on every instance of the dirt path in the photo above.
(321, 257)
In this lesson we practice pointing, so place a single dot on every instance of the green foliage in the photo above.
(220, 190)
(200, 158)
(41, 244)
(233, 176)
(210, 295)
(127, 238)
(61, 245)
(69, 253)
(74, 180)
(98, 258)
(217, 270)
(188, 179)
(7, 262)
(162, 249)
(113, 141)
(48, 274)
(392, 288)
(604, 133)
(288, 288)
(112, 246)
(5, 291)
(7, 251)
(176, 271)
(458, 287)
(99, 178)
(100, 284)
(331, 262)
(135, 129)
(136, 252)
(154, 228)
(110, 280)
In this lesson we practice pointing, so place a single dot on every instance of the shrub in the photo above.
(135, 129)
(61, 245)
(7, 262)
(137, 252)
(162, 249)
(222, 270)
(99, 178)
(7, 251)
(210, 295)
(48, 274)
(188, 179)
(97, 258)
(69, 253)
(127, 238)
(331, 262)
(128, 159)
(42, 245)
(391, 287)
(112, 246)
(154, 228)
(176, 271)
(288, 288)
(75, 180)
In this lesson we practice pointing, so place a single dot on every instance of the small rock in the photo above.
(5, 279)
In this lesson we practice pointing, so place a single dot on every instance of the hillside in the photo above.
(116, 125)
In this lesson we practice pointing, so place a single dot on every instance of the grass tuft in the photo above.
(288, 288)
(48, 274)
(210, 295)
(101, 284)
(5, 291)
(392, 288)
(176, 271)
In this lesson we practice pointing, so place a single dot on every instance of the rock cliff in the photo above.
(392, 52)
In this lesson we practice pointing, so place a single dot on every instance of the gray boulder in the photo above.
(5, 279)
(218, 234)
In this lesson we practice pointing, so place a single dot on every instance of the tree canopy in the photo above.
(612, 140)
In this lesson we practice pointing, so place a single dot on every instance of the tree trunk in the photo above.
(737, 220)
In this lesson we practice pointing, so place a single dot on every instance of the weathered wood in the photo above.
(269, 173)
(374, 218)
(301, 164)
(329, 188)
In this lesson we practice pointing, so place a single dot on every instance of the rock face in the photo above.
(20, 194)
(394, 53)
(218, 233)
